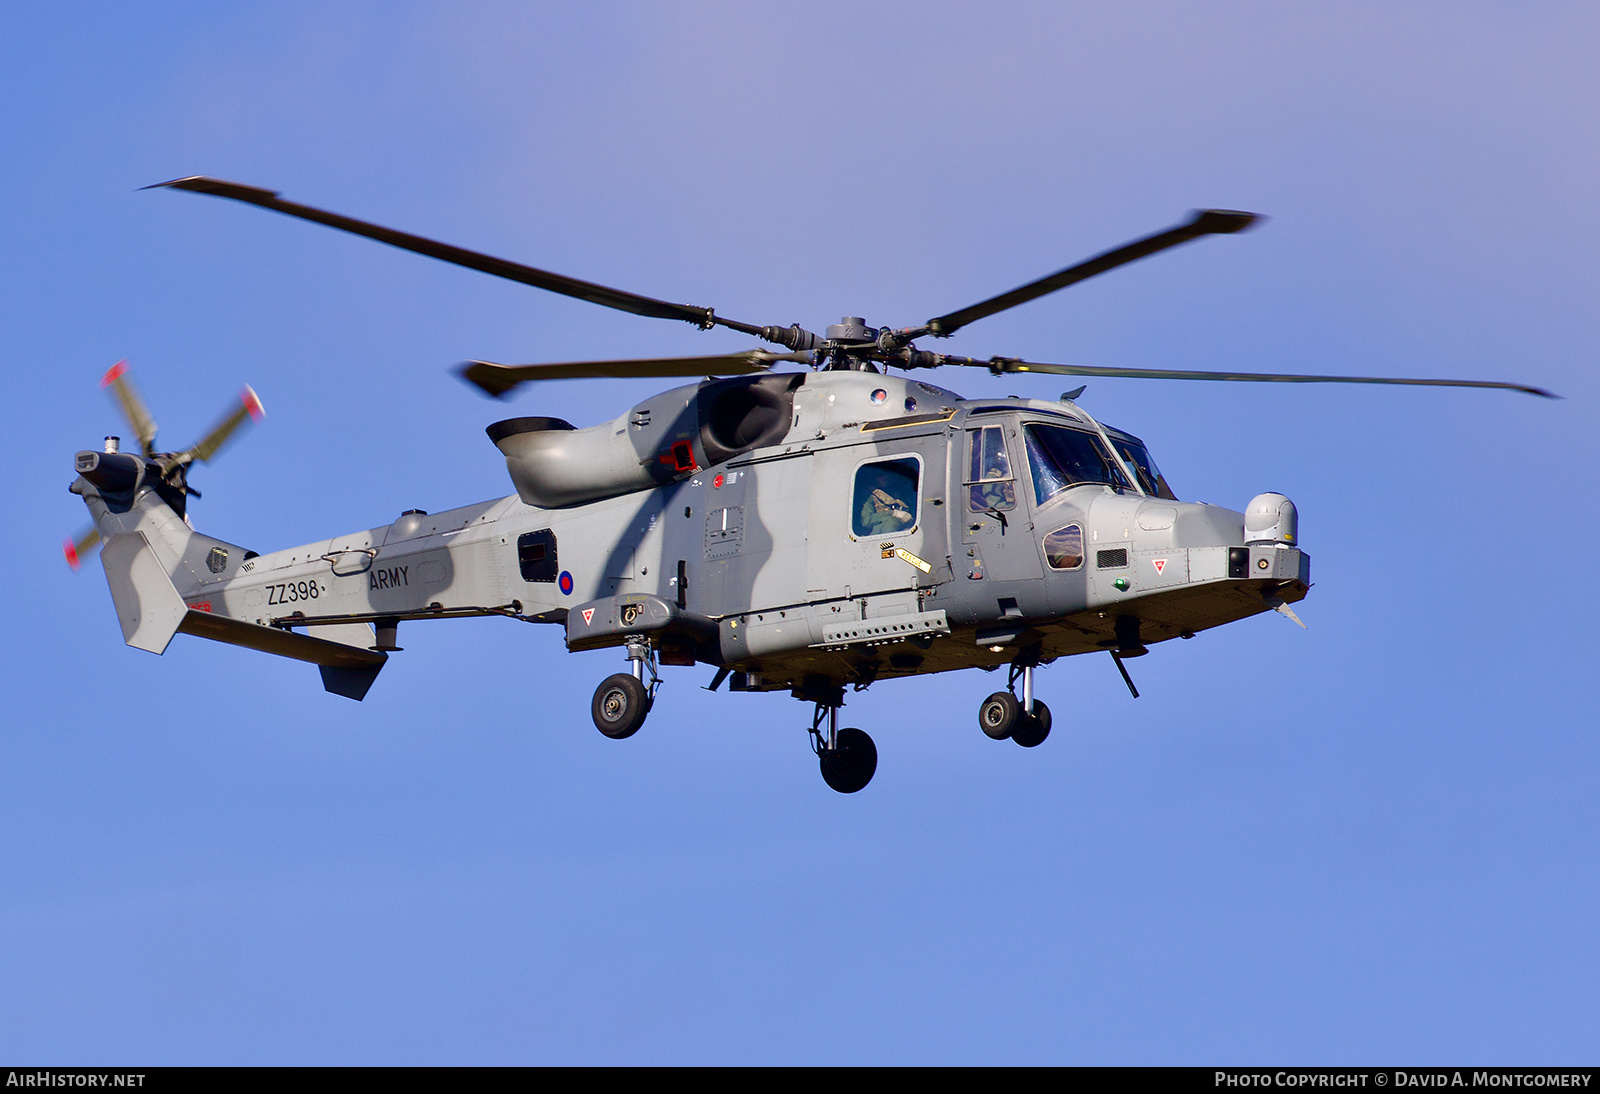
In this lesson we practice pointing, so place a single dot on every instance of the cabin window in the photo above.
(1060, 458)
(990, 484)
(1063, 548)
(536, 556)
(885, 500)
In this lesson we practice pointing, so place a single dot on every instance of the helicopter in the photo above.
(811, 531)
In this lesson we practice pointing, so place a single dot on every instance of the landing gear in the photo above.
(620, 704)
(622, 701)
(848, 757)
(850, 764)
(997, 717)
(1027, 720)
(1033, 728)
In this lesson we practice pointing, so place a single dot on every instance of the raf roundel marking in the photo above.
(565, 582)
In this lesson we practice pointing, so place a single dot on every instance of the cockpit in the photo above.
(1060, 457)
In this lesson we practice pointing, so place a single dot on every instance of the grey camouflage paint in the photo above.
(779, 584)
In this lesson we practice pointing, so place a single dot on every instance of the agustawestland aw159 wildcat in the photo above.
(807, 531)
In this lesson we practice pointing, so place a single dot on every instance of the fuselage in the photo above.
(854, 526)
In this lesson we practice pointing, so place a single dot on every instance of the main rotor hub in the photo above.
(852, 329)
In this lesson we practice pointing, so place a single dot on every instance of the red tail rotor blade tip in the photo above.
(71, 551)
(252, 403)
(114, 373)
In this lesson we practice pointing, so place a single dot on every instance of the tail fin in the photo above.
(187, 556)
(148, 605)
(153, 563)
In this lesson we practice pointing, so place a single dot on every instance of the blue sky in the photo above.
(1372, 841)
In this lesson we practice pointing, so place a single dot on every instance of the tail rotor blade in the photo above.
(249, 409)
(133, 408)
(81, 547)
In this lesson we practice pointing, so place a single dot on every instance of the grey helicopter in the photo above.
(810, 531)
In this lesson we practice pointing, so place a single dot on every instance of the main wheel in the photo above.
(849, 765)
(998, 715)
(620, 704)
(1033, 728)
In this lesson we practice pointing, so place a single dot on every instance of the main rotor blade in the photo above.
(133, 408)
(1000, 365)
(499, 267)
(500, 380)
(249, 409)
(1203, 222)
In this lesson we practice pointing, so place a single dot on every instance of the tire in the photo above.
(1033, 728)
(619, 707)
(849, 766)
(998, 715)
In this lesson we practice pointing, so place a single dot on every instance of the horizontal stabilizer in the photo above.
(236, 632)
(347, 670)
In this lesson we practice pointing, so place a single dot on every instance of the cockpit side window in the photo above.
(1063, 548)
(1060, 458)
(885, 499)
(1137, 457)
(990, 484)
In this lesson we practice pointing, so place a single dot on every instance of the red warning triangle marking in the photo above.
(588, 616)
(1160, 564)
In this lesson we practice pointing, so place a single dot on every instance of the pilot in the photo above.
(883, 513)
(992, 493)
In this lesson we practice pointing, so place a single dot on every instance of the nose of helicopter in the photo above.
(1141, 545)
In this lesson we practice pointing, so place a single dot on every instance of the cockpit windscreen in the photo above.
(1060, 458)
(1150, 476)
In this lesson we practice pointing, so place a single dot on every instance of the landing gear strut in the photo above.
(848, 757)
(622, 701)
(1026, 720)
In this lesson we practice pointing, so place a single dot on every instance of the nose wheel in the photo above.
(1026, 720)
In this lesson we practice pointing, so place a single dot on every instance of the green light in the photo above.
(1121, 584)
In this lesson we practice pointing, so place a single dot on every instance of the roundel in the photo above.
(565, 582)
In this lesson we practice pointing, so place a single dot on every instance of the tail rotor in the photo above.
(132, 404)
(166, 472)
(81, 546)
